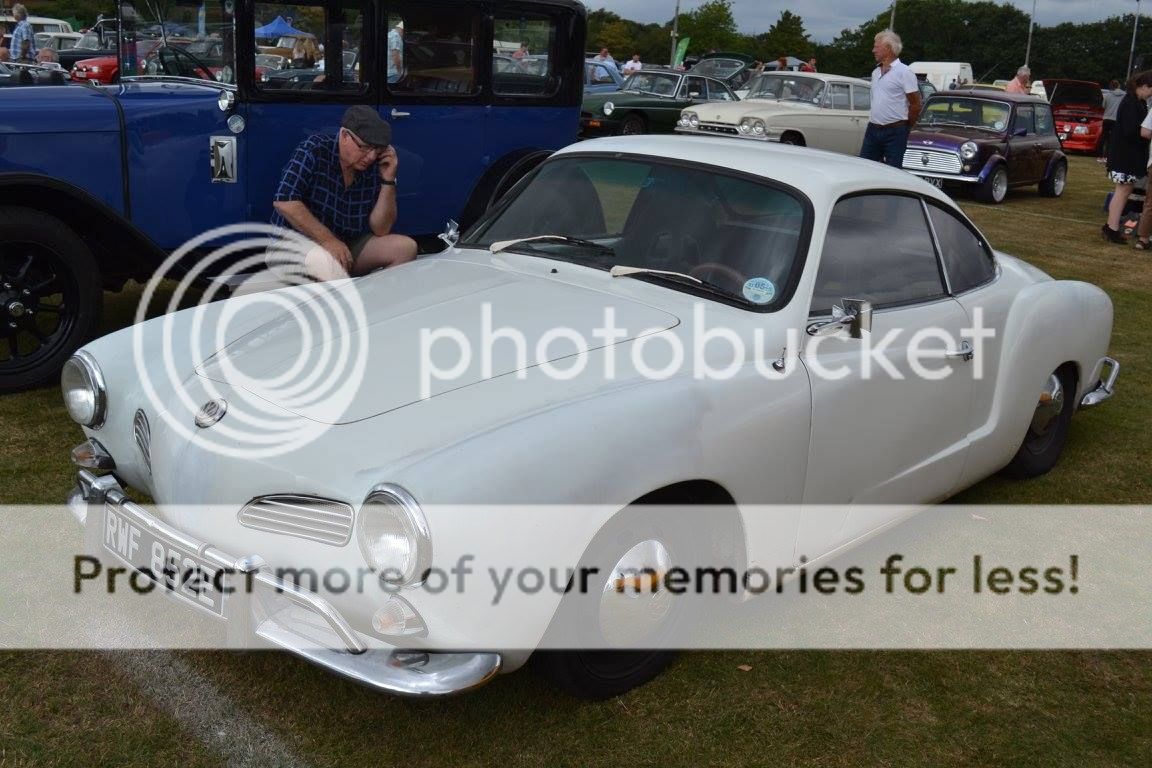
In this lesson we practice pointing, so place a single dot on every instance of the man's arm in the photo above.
(288, 201)
(383, 214)
(913, 108)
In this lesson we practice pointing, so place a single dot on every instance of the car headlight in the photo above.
(85, 395)
(394, 536)
(1080, 129)
(759, 128)
(93, 70)
(689, 120)
(968, 150)
(745, 126)
(608, 108)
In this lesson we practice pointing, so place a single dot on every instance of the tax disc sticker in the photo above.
(760, 290)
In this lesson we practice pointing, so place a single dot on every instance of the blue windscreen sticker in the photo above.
(760, 290)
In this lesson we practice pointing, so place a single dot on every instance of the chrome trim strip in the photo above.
(88, 362)
(944, 176)
(1104, 389)
(315, 518)
(142, 434)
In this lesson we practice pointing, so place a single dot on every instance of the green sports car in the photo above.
(649, 102)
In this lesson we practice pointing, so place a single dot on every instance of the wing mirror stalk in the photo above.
(855, 315)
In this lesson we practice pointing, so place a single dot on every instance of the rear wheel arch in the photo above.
(793, 137)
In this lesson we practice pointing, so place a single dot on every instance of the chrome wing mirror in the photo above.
(855, 315)
(451, 233)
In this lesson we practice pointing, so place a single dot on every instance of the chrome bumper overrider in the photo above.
(297, 620)
(1104, 388)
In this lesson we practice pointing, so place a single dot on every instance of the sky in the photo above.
(824, 19)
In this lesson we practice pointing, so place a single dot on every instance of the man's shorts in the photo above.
(357, 245)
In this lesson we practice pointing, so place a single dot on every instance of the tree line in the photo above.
(990, 36)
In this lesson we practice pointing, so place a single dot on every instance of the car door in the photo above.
(862, 106)
(1024, 147)
(1046, 136)
(890, 410)
(838, 120)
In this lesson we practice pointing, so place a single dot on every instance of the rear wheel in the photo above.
(1048, 431)
(994, 188)
(50, 295)
(1053, 184)
(633, 124)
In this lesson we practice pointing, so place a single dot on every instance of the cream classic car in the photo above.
(808, 109)
(846, 338)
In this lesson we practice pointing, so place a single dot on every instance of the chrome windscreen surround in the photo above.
(142, 434)
(306, 517)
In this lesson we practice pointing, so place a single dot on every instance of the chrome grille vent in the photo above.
(937, 160)
(307, 517)
(718, 128)
(143, 436)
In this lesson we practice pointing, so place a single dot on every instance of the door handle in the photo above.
(396, 113)
(964, 353)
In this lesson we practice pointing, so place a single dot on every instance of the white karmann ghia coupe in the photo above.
(659, 320)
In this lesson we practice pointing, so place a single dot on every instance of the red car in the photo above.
(1078, 108)
(105, 70)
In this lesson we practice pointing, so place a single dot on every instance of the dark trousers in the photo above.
(1105, 134)
(885, 144)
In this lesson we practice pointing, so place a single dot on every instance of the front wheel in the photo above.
(994, 188)
(1048, 431)
(1053, 184)
(50, 295)
(633, 125)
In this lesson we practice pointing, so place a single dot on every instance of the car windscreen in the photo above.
(658, 83)
(787, 87)
(960, 111)
(734, 238)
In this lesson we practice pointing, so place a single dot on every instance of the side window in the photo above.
(1023, 120)
(861, 97)
(717, 91)
(1045, 125)
(967, 258)
(693, 85)
(878, 248)
(310, 47)
(839, 96)
(432, 50)
(537, 74)
(601, 75)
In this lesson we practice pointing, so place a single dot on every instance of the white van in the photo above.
(39, 23)
(943, 73)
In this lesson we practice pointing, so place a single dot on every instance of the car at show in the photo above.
(153, 57)
(987, 142)
(1078, 107)
(649, 102)
(802, 258)
(807, 109)
(15, 74)
(601, 78)
(733, 69)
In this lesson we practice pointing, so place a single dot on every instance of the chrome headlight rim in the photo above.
(759, 128)
(93, 379)
(745, 125)
(608, 108)
(694, 120)
(969, 150)
(416, 527)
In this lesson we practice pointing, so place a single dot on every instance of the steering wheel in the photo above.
(180, 63)
(709, 270)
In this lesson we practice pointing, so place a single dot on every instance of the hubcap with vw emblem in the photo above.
(211, 412)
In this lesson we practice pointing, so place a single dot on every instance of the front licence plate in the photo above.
(938, 183)
(179, 570)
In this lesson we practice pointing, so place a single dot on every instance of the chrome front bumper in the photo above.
(291, 618)
(1104, 388)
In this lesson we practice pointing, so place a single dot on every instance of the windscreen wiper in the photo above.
(503, 245)
(622, 271)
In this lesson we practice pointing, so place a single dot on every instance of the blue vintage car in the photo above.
(99, 184)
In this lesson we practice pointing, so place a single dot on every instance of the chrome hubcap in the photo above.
(999, 186)
(1058, 182)
(1050, 406)
(635, 604)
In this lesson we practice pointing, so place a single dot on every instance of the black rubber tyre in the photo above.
(1041, 448)
(602, 674)
(995, 188)
(633, 125)
(50, 297)
(1053, 185)
(794, 139)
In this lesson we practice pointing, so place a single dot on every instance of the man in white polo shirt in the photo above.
(895, 103)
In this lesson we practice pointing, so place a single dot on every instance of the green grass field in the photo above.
(1041, 709)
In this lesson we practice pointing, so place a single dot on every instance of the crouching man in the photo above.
(340, 193)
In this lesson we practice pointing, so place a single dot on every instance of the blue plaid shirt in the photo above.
(23, 32)
(313, 177)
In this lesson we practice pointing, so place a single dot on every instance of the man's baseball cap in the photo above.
(363, 121)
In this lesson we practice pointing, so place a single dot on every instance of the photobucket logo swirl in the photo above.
(275, 369)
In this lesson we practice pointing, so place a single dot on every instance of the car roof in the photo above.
(993, 95)
(818, 174)
(826, 76)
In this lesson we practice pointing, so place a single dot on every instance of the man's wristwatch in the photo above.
(387, 183)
